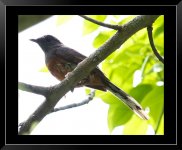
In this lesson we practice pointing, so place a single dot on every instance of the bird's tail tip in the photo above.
(137, 108)
(142, 114)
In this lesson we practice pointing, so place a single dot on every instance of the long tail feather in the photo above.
(128, 100)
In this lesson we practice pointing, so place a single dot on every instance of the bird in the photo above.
(61, 59)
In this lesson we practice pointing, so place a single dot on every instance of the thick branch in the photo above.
(84, 68)
(149, 30)
(115, 27)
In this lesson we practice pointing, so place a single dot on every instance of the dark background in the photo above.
(12, 13)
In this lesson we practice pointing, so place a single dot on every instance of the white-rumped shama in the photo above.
(61, 60)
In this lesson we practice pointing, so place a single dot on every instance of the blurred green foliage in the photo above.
(63, 19)
(90, 27)
(26, 21)
(135, 69)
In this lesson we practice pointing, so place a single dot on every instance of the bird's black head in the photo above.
(47, 42)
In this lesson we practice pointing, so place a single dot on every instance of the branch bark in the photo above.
(149, 30)
(84, 68)
(33, 88)
(115, 27)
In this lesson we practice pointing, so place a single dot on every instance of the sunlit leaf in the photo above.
(141, 37)
(141, 91)
(122, 65)
(102, 37)
(61, 19)
(160, 130)
(158, 31)
(118, 115)
(89, 27)
(44, 69)
(117, 19)
(125, 20)
(116, 16)
(155, 101)
(158, 26)
(87, 91)
(135, 126)
(107, 97)
(159, 43)
(158, 67)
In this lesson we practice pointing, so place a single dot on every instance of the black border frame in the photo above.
(25, 138)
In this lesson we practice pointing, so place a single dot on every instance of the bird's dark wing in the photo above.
(74, 57)
(69, 54)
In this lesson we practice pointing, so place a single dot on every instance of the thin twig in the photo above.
(149, 29)
(33, 88)
(86, 101)
(144, 64)
(115, 27)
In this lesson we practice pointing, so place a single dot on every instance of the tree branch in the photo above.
(86, 101)
(84, 68)
(115, 27)
(33, 88)
(149, 30)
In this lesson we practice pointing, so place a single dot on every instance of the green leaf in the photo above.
(158, 31)
(155, 101)
(136, 126)
(121, 65)
(116, 16)
(87, 91)
(90, 27)
(141, 91)
(125, 20)
(44, 69)
(118, 114)
(159, 43)
(158, 67)
(102, 37)
(61, 19)
(160, 130)
(107, 97)
(158, 26)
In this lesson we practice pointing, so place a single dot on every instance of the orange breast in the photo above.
(57, 68)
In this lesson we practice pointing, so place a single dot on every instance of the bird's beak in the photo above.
(33, 40)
